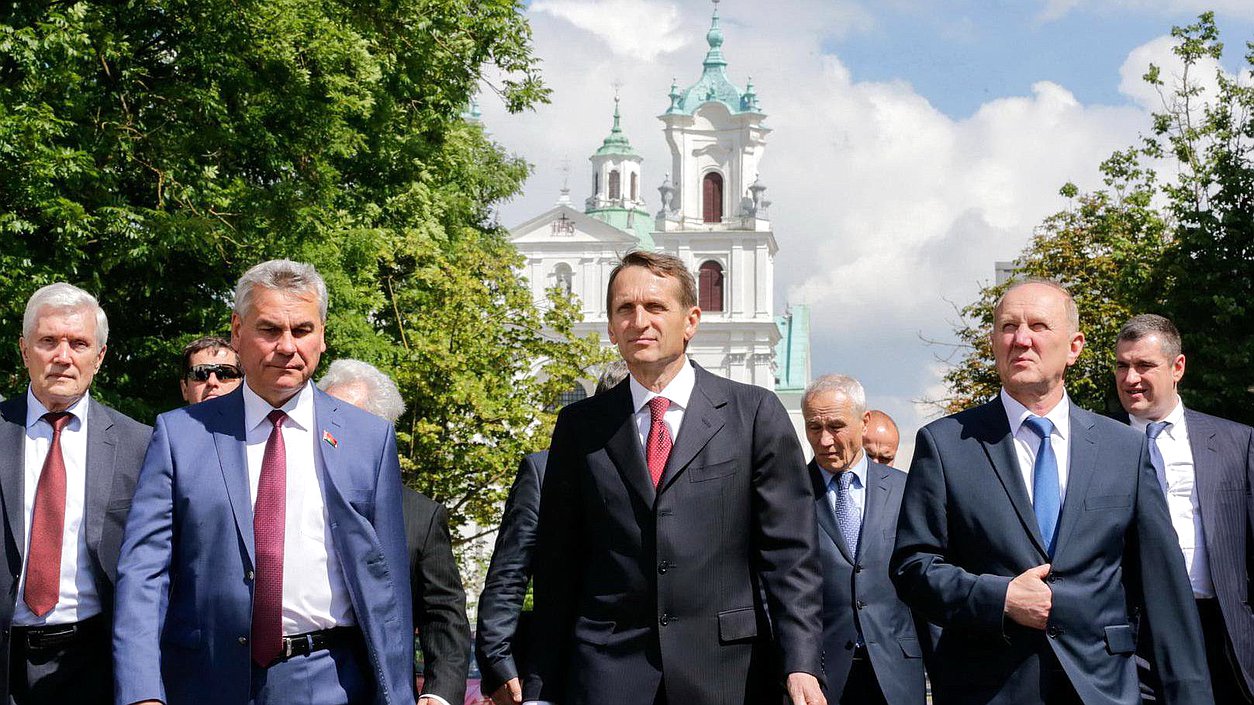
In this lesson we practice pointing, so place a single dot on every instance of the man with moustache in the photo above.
(881, 438)
(1206, 466)
(1030, 529)
(210, 369)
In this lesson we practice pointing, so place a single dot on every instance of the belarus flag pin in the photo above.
(326, 436)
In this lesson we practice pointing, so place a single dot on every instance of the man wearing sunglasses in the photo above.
(210, 369)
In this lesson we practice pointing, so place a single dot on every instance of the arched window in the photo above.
(596, 184)
(635, 186)
(564, 277)
(710, 286)
(615, 186)
(712, 197)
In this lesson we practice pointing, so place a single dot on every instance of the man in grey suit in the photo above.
(871, 649)
(65, 482)
(1206, 466)
(1030, 530)
(672, 506)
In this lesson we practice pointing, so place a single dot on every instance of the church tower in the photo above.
(617, 190)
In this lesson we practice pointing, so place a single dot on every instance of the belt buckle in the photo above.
(290, 643)
(50, 637)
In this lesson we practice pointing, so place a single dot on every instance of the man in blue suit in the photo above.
(1206, 465)
(264, 560)
(871, 649)
(1031, 530)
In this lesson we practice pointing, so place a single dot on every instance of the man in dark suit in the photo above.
(1028, 529)
(500, 633)
(1206, 465)
(871, 649)
(66, 478)
(671, 504)
(439, 600)
(265, 548)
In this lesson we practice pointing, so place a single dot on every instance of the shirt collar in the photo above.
(299, 408)
(35, 410)
(858, 469)
(1017, 413)
(1175, 419)
(678, 391)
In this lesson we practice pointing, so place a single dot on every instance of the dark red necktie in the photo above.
(47, 526)
(269, 513)
(658, 447)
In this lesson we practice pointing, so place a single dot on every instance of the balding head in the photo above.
(881, 437)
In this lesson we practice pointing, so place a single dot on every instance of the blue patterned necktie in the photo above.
(847, 517)
(1046, 499)
(1153, 431)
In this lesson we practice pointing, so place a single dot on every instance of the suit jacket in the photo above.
(115, 449)
(967, 529)
(439, 601)
(185, 577)
(636, 587)
(858, 595)
(500, 605)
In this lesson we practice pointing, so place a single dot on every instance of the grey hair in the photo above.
(843, 384)
(1073, 311)
(383, 398)
(62, 296)
(280, 275)
(614, 372)
(1148, 324)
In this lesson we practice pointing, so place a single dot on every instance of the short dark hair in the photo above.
(209, 342)
(663, 266)
(1147, 324)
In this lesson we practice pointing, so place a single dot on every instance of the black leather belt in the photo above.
(56, 636)
(302, 644)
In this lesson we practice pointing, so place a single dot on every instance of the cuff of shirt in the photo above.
(433, 696)
(537, 702)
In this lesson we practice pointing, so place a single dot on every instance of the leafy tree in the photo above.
(151, 150)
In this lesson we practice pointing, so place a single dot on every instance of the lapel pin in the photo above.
(330, 440)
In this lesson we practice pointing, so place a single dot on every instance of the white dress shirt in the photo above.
(678, 391)
(79, 598)
(315, 596)
(857, 486)
(1182, 502)
(1027, 442)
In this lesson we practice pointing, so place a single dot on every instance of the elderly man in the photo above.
(66, 477)
(871, 649)
(499, 635)
(439, 600)
(1206, 465)
(671, 505)
(210, 369)
(265, 546)
(1030, 529)
(881, 437)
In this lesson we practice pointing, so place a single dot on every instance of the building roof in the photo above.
(714, 85)
(616, 143)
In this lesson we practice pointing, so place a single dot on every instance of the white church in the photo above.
(713, 215)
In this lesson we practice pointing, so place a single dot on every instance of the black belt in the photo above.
(56, 636)
(302, 644)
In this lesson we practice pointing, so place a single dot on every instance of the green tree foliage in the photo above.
(1183, 247)
(151, 150)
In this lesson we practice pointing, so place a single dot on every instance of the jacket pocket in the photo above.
(910, 647)
(737, 625)
(1108, 501)
(711, 472)
(594, 632)
(1119, 639)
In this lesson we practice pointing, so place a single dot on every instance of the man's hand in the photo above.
(508, 694)
(803, 689)
(1029, 599)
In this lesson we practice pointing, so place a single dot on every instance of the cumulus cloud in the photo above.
(638, 29)
(1057, 9)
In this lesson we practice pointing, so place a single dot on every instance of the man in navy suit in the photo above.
(871, 649)
(264, 560)
(1206, 465)
(1031, 530)
(66, 476)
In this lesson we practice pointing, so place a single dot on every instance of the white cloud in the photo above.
(639, 29)
(1057, 9)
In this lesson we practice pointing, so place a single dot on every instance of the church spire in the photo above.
(616, 142)
(714, 57)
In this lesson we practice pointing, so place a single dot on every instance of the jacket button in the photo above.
(249, 576)
(665, 620)
(1051, 578)
(857, 569)
(861, 604)
(663, 567)
(243, 641)
(1053, 632)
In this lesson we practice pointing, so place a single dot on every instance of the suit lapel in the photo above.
(702, 420)
(823, 511)
(13, 467)
(999, 445)
(624, 448)
(230, 438)
(1206, 468)
(1080, 468)
(878, 493)
(101, 453)
(327, 419)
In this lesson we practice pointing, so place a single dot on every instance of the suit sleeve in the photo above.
(942, 592)
(787, 539)
(506, 583)
(440, 614)
(556, 568)
(1176, 632)
(396, 660)
(142, 596)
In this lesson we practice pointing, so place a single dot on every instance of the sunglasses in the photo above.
(200, 373)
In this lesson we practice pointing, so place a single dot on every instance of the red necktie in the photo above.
(268, 520)
(47, 526)
(658, 447)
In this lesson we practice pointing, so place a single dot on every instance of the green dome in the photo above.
(616, 143)
(714, 86)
